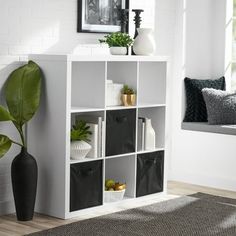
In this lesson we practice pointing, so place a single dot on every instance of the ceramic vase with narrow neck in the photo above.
(144, 43)
(24, 175)
(150, 136)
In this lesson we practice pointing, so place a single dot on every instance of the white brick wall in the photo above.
(49, 26)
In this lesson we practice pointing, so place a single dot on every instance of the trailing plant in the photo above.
(80, 131)
(117, 39)
(22, 95)
(127, 90)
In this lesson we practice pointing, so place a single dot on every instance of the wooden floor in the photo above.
(9, 226)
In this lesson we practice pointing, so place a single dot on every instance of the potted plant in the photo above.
(22, 95)
(118, 43)
(79, 147)
(128, 96)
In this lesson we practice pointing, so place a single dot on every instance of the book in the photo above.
(141, 133)
(103, 139)
(93, 153)
(94, 120)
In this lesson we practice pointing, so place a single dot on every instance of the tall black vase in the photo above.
(24, 175)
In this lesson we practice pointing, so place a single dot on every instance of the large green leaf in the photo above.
(22, 91)
(5, 115)
(5, 145)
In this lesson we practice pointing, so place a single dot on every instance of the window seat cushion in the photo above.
(205, 127)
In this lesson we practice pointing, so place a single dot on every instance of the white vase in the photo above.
(144, 43)
(150, 136)
(79, 150)
(118, 50)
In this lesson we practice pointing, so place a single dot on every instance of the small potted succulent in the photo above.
(118, 43)
(128, 96)
(79, 136)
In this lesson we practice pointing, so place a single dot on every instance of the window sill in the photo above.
(204, 127)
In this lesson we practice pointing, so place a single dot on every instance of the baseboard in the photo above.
(203, 180)
(7, 207)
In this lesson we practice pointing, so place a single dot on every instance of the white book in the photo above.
(93, 153)
(103, 138)
(141, 126)
(94, 120)
(143, 135)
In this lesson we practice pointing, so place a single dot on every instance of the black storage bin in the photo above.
(150, 173)
(86, 185)
(120, 131)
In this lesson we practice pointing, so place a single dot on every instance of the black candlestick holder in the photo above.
(137, 20)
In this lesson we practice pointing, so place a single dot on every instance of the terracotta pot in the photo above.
(128, 99)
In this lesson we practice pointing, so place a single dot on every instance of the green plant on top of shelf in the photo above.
(127, 90)
(80, 131)
(117, 39)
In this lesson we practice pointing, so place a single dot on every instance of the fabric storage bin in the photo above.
(120, 131)
(86, 185)
(150, 173)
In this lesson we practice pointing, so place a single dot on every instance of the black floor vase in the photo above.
(24, 175)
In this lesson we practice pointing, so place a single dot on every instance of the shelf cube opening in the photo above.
(120, 73)
(157, 116)
(152, 83)
(120, 131)
(150, 173)
(88, 84)
(122, 169)
(95, 120)
(86, 188)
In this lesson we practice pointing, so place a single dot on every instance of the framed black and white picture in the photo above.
(100, 16)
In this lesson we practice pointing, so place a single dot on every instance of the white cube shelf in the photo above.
(74, 86)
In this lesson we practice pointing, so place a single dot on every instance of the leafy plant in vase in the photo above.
(128, 96)
(79, 147)
(118, 43)
(22, 95)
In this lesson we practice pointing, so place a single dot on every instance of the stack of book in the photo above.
(97, 139)
(146, 134)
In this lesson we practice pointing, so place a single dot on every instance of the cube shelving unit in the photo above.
(76, 85)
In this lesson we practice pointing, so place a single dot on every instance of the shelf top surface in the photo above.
(77, 58)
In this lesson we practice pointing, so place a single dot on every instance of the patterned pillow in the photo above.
(221, 106)
(196, 107)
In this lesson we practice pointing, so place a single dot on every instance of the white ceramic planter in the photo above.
(144, 43)
(79, 150)
(118, 50)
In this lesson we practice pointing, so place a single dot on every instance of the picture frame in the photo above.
(100, 16)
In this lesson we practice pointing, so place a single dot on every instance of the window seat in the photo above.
(204, 127)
